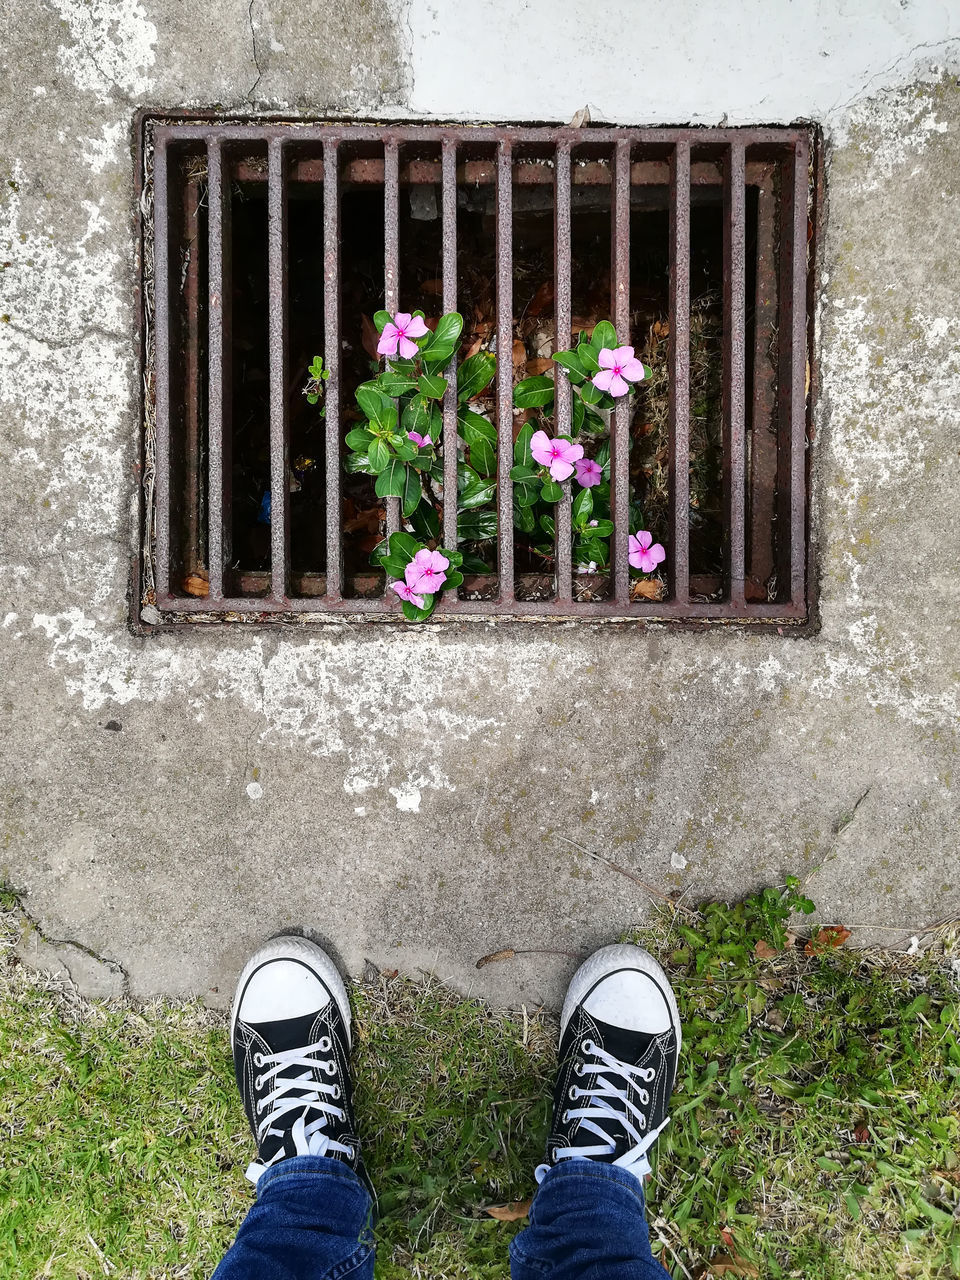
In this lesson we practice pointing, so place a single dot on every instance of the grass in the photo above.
(815, 1132)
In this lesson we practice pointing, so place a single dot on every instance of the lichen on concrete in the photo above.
(425, 797)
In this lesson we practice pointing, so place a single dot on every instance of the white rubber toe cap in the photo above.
(287, 978)
(623, 986)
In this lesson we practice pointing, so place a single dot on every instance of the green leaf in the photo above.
(453, 580)
(422, 416)
(535, 392)
(413, 614)
(441, 343)
(475, 495)
(551, 491)
(525, 494)
(392, 566)
(579, 415)
(474, 564)
(404, 546)
(523, 518)
(432, 386)
(483, 456)
(455, 557)
(591, 394)
(475, 375)
(392, 479)
(521, 449)
(602, 529)
(474, 526)
(548, 525)
(316, 367)
(426, 521)
(604, 335)
(524, 474)
(395, 384)
(412, 493)
(582, 507)
(378, 455)
(380, 318)
(570, 360)
(477, 423)
(357, 464)
(588, 358)
(594, 422)
(359, 438)
(404, 448)
(380, 409)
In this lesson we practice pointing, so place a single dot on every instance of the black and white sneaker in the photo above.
(290, 1031)
(619, 1048)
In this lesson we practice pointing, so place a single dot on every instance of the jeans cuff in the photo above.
(594, 1169)
(309, 1167)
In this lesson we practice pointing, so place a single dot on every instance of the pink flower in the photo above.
(617, 369)
(407, 593)
(558, 455)
(418, 439)
(398, 332)
(589, 472)
(425, 572)
(641, 554)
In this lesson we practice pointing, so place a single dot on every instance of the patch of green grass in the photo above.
(815, 1128)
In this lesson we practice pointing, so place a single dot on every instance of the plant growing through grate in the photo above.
(268, 250)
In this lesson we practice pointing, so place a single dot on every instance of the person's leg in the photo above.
(619, 1047)
(290, 1030)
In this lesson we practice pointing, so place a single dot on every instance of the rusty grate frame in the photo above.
(679, 158)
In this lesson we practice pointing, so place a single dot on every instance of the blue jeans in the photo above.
(313, 1220)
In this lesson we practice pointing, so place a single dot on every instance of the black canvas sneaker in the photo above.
(290, 1031)
(619, 1047)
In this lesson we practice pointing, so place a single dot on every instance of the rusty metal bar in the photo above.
(191, 532)
(734, 291)
(161, 376)
(220, 366)
(279, 436)
(331, 361)
(793, 365)
(678, 356)
(562, 271)
(449, 202)
(504, 251)
(763, 424)
(620, 312)
(391, 267)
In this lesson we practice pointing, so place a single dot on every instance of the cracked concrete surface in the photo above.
(424, 798)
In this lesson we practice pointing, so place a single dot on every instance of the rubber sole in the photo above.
(305, 952)
(607, 960)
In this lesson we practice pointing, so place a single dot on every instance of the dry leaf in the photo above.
(519, 353)
(197, 584)
(861, 1134)
(580, 118)
(370, 337)
(764, 951)
(728, 1264)
(539, 366)
(542, 299)
(829, 938)
(647, 589)
(507, 953)
(509, 1212)
(434, 286)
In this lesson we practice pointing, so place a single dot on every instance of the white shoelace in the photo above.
(603, 1103)
(318, 1096)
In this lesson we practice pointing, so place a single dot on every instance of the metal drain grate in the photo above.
(749, 188)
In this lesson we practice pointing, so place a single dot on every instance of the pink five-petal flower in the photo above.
(397, 335)
(407, 593)
(589, 472)
(559, 455)
(425, 572)
(418, 439)
(618, 369)
(641, 554)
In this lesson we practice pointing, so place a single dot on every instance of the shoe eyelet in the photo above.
(329, 1067)
(258, 1082)
(565, 1118)
(553, 1155)
(351, 1152)
(260, 1107)
(578, 1069)
(573, 1093)
(587, 1046)
(325, 1043)
(335, 1092)
(258, 1059)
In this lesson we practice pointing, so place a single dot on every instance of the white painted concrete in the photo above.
(671, 61)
